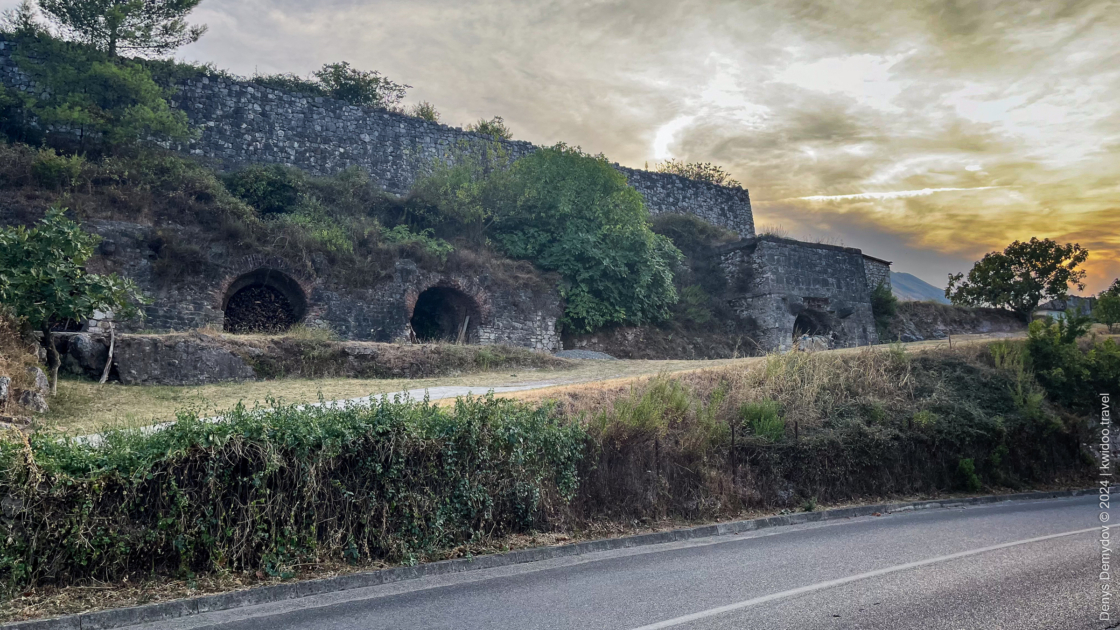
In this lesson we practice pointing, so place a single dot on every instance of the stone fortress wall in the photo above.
(785, 287)
(243, 123)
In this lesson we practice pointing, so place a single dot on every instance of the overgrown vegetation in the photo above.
(564, 211)
(496, 128)
(89, 100)
(269, 491)
(884, 307)
(699, 171)
(44, 282)
(343, 82)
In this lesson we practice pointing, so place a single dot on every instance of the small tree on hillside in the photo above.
(43, 279)
(142, 26)
(1021, 276)
(94, 100)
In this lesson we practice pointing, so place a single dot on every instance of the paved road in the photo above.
(1007, 566)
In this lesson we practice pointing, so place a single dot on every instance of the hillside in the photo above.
(910, 288)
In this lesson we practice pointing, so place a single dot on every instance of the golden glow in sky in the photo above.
(924, 132)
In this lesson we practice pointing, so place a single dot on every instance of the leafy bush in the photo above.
(58, 172)
(267, 490)
(460, 191)
(1071, 376)
(573, 213)
(764, 419)
(424, 111)
(884, 305)
(271, 189)
(343, 82)
(433, 246)
(495, 128)
(967, 477)
(43, 279)
(695, 304)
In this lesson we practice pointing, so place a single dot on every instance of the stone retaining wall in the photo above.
(244, 123)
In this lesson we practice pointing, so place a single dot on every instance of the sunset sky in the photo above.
(924, 132)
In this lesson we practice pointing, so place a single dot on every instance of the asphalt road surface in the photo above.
(1029, 565)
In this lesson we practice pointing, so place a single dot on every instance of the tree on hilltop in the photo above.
(141, 26)
(1021, 276)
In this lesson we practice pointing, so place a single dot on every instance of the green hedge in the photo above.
(268, 490)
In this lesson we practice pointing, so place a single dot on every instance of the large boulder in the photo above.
(192, 359)
(34, 401)
(42, 383)
(86, 355)
(5, 389)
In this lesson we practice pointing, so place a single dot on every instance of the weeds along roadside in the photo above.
(406, 481)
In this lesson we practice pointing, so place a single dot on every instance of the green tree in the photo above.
(43, 279)
(22, 21)
(359, 87)
(1107, 310)
(140, 26)
(573, 213)
(98, 100)
(462, 188)
(495, 128)
(424, 111)
(1021, 276)
(699, 171)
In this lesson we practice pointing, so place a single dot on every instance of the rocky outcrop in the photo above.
(39, 378)
(919, 321)
(177, 360)
(85, 354)
(34, 401)
(5, 389)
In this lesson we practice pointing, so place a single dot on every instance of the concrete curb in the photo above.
(123, 617)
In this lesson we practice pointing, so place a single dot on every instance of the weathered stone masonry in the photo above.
(244, 123)
(785, 287)
(789, 287)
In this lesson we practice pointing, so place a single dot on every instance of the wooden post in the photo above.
(463, 331)
(109, 361)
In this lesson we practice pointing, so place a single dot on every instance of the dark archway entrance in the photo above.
(264, 301)
(812, 323)
(445, 314)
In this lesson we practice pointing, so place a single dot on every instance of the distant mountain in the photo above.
(910, 288)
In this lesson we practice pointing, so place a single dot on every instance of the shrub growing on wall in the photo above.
(570, 212)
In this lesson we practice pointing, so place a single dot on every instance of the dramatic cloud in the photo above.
(926, 131)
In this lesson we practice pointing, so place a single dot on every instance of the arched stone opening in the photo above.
(811, 323)
(445, 314)
(264, 301)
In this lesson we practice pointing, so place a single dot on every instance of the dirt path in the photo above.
(83, 407)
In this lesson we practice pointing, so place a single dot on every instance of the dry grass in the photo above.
(85, 407)
(17, 356)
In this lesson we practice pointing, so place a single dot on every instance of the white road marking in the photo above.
(704, 614)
